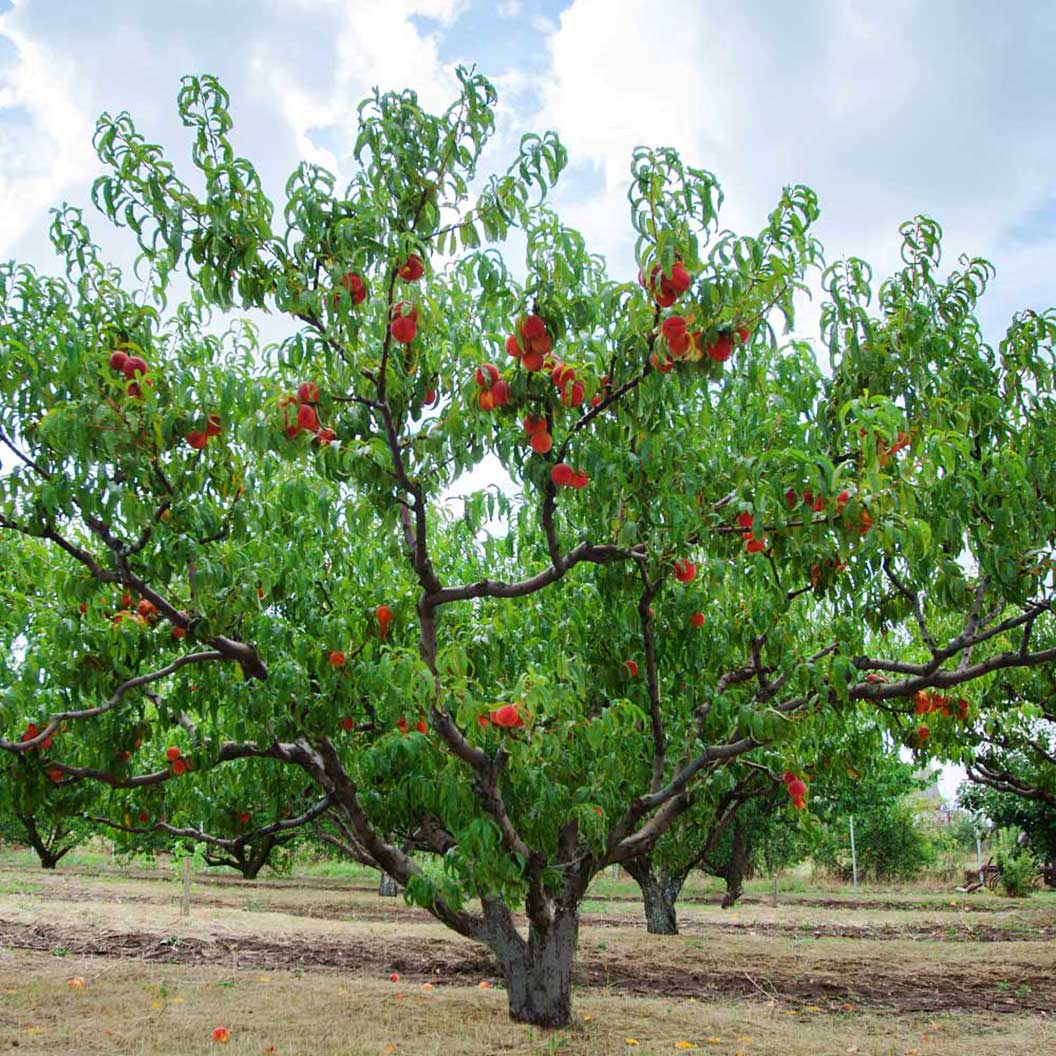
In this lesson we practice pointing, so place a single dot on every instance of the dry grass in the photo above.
(148, 1009)
(129, 1008)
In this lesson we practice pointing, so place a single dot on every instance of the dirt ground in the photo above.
(812, 975)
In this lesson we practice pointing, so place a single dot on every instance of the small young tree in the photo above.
(711, 543)
(691, 842)
(35, 811)
(243, 818)
(890, 841)
(1006, 809)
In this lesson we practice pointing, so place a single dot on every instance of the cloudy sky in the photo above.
(886, 109)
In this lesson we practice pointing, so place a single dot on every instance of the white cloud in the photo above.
(53, 144)
(886, 111)
(290, 66)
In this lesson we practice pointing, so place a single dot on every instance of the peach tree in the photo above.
(698, 542)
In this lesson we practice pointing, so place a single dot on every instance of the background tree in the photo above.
(1008, 810)
(891, 840)
(243, 818)
(693, 842)
(264, 546)
(34, 810)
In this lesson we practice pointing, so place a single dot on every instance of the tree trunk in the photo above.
(735, 869)
(538, 972)
(251, 868)
(660, 891)
(48, 860)
(387, 886)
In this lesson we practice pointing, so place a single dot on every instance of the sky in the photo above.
(887, 110)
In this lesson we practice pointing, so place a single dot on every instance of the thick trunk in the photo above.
(736, 868)
(660, 891)
(660, 916)
(48, 860)
(538, 972)
(251, 868)
(387, 886)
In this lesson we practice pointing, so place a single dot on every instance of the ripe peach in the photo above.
(561, 375)
(508, 716)
(118, 360)
(172, 753)
(685, 571)
(562, 474)
(632, 668)
(355, 287)
(412, 269)
(572, 395)
(533, 328)
(486, 375)
(404, 329)
(722, 349)
(697, 620)
(673, 327)
(337, 658)
(307, 418)
(542, 442)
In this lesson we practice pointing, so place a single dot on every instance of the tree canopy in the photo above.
(718, 542)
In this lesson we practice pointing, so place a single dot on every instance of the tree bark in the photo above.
(48, 858)
(660, 891)
(538, 972)
(736, 868)
(387, 886)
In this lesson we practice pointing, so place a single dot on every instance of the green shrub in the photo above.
(1017, 871)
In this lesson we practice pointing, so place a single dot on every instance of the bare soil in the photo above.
(373, 908)
(703, 974)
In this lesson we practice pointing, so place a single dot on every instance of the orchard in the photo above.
(709, 548)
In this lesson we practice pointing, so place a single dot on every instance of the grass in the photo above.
(128, 1008)
(777, 955)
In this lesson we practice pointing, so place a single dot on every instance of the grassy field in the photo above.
(301, 965)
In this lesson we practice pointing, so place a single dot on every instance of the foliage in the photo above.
(712, 547)
(1036, 819)
(1016, 869)
(891, 843)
